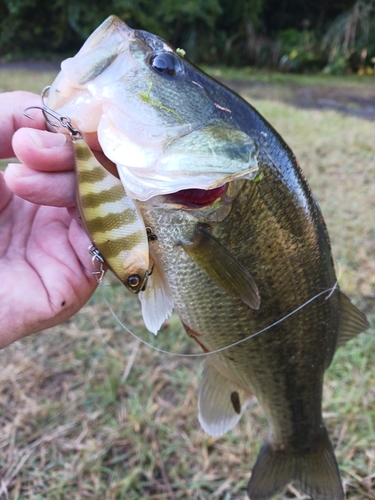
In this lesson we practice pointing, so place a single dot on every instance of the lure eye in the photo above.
(136, 284)
(166, 63)
(134, 281)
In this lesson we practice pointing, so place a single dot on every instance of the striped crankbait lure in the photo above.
(110, 217)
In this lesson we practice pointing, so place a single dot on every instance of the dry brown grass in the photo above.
(88, 412)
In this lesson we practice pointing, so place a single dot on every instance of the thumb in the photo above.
(42, 150)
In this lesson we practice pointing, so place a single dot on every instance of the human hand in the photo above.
(45, 267)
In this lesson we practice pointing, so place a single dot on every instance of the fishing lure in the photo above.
(109, 215)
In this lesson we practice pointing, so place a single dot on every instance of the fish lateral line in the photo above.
(222, 349)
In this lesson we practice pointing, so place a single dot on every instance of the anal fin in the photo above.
(221, 401)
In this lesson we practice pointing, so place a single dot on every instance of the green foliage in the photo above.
(300, 50)
(350, 40)
(184, 24)
(41, 29)
(295, 36)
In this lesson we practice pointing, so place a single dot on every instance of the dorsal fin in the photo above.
(352, 321)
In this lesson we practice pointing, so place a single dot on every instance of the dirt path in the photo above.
(344, 100)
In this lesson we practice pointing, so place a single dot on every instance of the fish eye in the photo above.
(134, 281)
(166, 63)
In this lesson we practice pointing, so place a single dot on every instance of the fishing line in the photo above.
(97, 259)
(337, 280)
(198, 355)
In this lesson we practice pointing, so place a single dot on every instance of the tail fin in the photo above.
(315, 472)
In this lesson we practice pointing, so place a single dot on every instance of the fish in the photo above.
(240, 249)
(142, 127)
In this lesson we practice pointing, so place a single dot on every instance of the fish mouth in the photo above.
(112, 92)
(196, 198)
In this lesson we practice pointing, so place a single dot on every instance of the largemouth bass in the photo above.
(240, 244)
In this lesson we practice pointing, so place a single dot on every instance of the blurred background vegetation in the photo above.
(334, 36)
(86, 411)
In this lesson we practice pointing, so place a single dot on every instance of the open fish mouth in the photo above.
(196, 225)
(197, 198)
(153, 117)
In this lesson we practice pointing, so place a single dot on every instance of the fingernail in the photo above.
(44, 139)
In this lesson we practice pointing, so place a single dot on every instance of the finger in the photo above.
(43, 151)
(12, 105)
(5, 193)
(42, 188)
(81, 242)
(53, 152)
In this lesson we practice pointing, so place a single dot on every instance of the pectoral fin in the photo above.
(352, 321)
(156, 302)
(223, 267)
(221, 402)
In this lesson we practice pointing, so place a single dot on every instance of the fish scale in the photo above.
(219, 320)
(245, 253)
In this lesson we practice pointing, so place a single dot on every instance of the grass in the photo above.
(261, 76)
(87, 412)
(350, 93)
(32, 81)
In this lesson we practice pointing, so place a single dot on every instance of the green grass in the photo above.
(249, 73)
(87, 412)
(32, 81)
(352, 92)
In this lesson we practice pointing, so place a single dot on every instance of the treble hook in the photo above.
(97, 262)
(63, 121)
